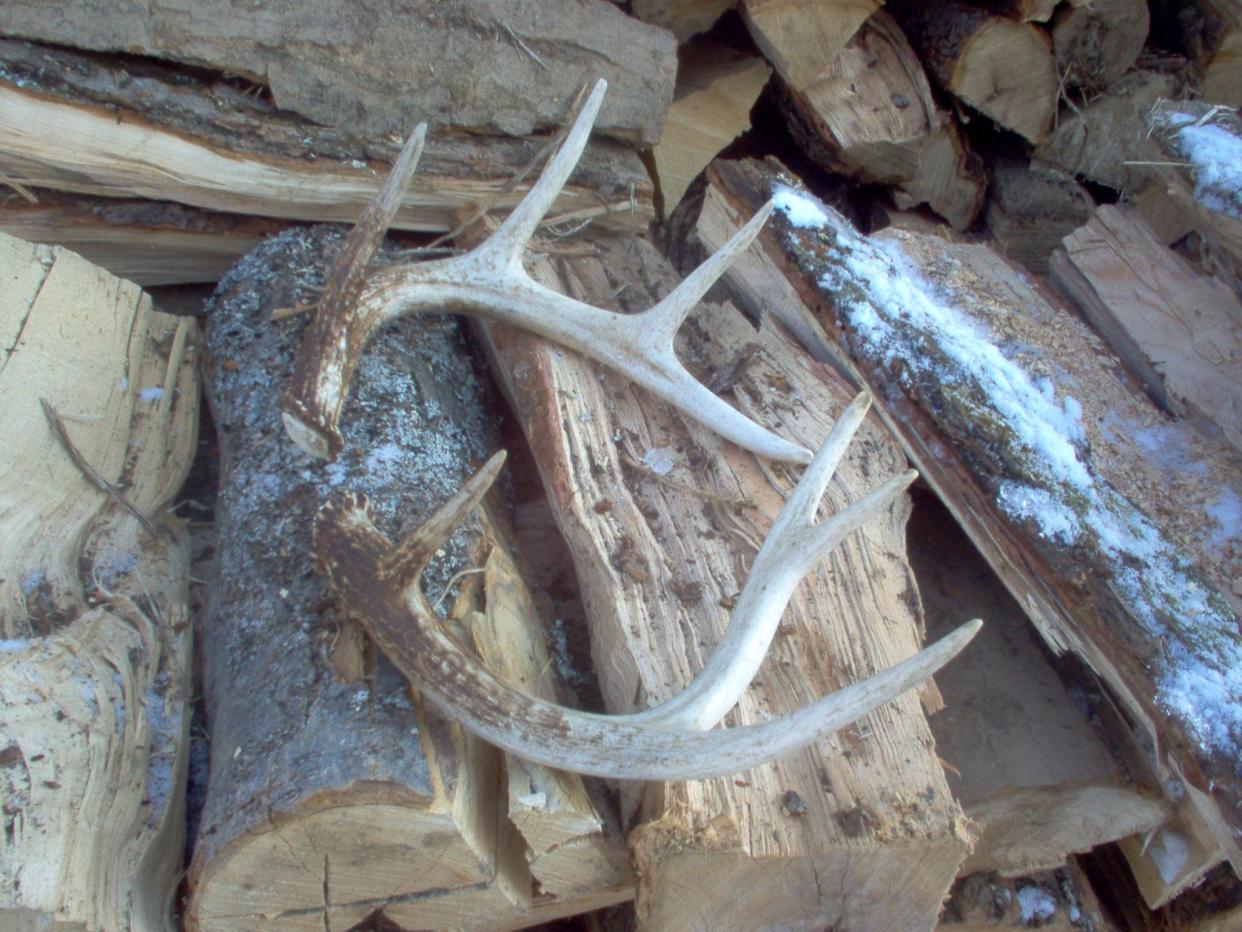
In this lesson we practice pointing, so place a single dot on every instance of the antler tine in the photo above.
(511, 237)
(666, 317)
(409, 558)
(489, 282)
(352, 551)
(804, 500)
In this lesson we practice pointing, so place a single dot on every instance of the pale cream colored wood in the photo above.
(1000, 66)
(1178, 330)
(869, 112)
(94, 674)
(51, 143)
(716, 87)
(573, 850)
(856, 829)
(798, 36)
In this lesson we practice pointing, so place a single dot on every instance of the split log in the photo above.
(1136, 570)
(1030, 770)
(1000, 66)
(1001, 763)
(798, 36)
(382, 68)
(1202, 145)
(1107, 140)
(683, 18)
(661, 518)
(868, 113)
(716, 88)
(147, 242)
(1031, 207)
(70, 123)
(1095, 43)
(1178, 331)
(94, 603)
(344, 797)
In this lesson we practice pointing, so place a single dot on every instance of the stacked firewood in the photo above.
(1003, 244)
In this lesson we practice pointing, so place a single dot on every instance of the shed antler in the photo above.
(490, 282)
(379, 582)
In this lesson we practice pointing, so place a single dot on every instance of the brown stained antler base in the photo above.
(489, 282)
(379, 583)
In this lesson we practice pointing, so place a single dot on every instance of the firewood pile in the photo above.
(677, 464)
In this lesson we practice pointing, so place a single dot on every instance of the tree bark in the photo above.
(379, 68)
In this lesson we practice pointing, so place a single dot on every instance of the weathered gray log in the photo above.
(378, 66)
(332, 794)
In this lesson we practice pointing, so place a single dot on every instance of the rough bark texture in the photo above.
(869, 113)
(344, 796)
(1096, 43)
(1001, 67)
(1178, 331)
(72, 123)
(1031, 206)
(856, 829)
(95, 662)
(1130, 558)
(379, 68)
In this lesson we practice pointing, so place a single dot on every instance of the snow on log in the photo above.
(1113, 527)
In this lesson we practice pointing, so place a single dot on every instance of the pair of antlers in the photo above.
(380, 581)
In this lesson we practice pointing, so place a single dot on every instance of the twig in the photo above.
(523, 46)
(88, 471)
(735, 503)
(454, 580)
(20, 188)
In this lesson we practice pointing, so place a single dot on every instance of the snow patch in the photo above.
(1216, 155)
(660, 460)
(1036, 904)
(151, 393)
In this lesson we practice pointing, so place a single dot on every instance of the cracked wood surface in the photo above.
(94, 606)
(662, 519)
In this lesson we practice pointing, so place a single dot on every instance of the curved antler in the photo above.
(380, 584)
(490, 282)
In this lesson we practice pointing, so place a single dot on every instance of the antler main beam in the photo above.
(489, 282)
(380, 583)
